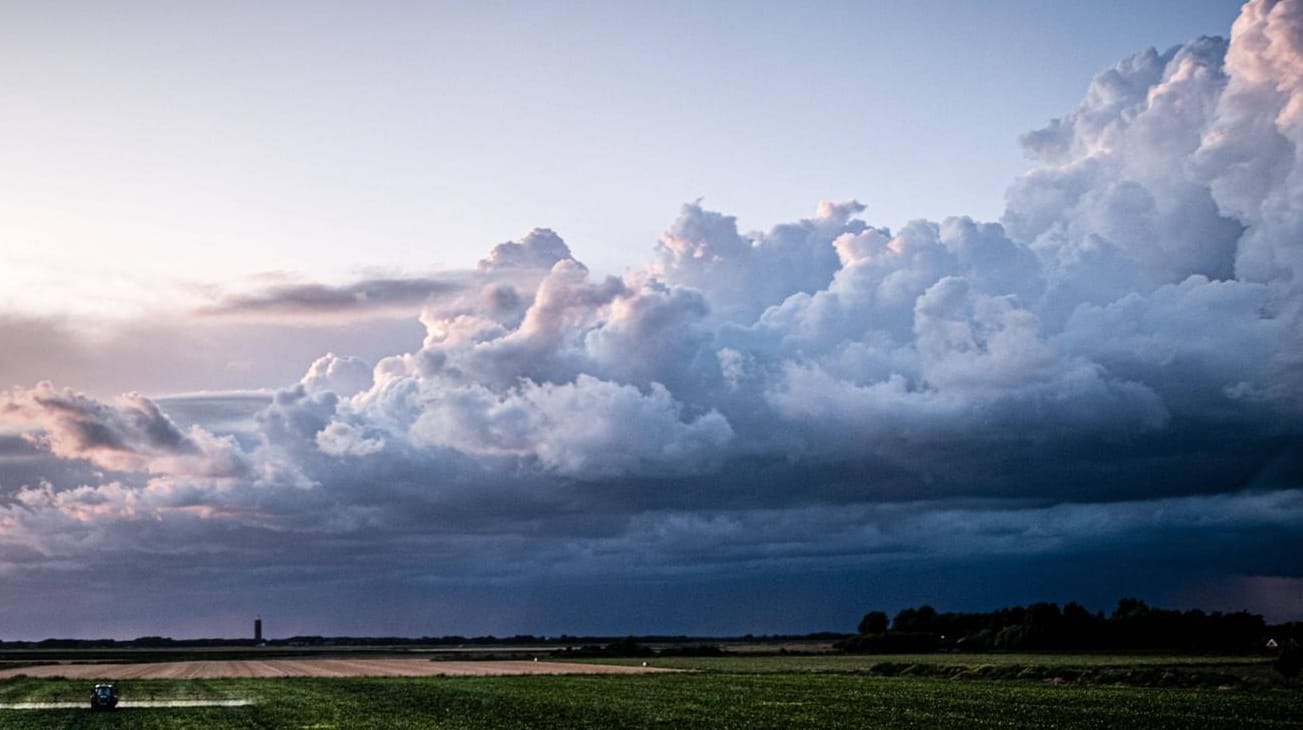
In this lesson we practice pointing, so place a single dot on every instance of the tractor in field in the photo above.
(104, 697)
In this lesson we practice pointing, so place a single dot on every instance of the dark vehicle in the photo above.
(104, 697)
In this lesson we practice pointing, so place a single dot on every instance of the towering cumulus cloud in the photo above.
(1116, 367)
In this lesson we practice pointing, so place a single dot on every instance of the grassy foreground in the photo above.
(1142, 670)
(706, 700)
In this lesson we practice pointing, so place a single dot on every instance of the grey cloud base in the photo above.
(1113, 372)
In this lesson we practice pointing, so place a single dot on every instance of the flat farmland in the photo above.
(663, 700)
(1215, 670)
(311, 667)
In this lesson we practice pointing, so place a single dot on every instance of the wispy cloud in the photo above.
(361, 299)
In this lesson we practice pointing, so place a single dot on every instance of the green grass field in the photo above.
(1143, 670)
(860, 662)
(772, 699)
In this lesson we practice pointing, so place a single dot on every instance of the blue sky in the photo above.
(323, 138)
(426, 319)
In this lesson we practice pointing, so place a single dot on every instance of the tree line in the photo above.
(1133, 625)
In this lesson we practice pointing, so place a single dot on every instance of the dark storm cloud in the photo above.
(1113, 370)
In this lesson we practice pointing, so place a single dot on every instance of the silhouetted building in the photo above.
(257, 630)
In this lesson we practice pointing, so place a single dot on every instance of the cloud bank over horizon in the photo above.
(1113, 369)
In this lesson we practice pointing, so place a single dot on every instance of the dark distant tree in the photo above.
(627, 647)
(1041, 625)
(1079, 629)
(1076, 613)
(1043, 614)
(1133, 625)
(874, 622)
(915, 620)
(1290, 661)
(1011, 637)
(1130, 609)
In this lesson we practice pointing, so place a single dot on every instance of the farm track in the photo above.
(124, 705)
(315, 668)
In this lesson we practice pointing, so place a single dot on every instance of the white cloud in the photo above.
(589, 428)
(539, 250)
(741, 275)
(343, 376)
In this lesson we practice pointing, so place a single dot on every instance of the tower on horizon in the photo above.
(257, 630)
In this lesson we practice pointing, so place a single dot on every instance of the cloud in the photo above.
(622, 431)
(1117, 204)
(1250, 156)
(343, 376)
(357, 300)
(540, 249)
(742, 275)
(493, 284)
(131, 435)
(1115, 365)
(344, 439)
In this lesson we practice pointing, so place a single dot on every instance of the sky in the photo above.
(424, 319)
(153, 148)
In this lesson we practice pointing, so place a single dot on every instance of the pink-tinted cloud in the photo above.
(130, 435)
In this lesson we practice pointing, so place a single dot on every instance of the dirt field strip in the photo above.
(315, 668)
(125, 705)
